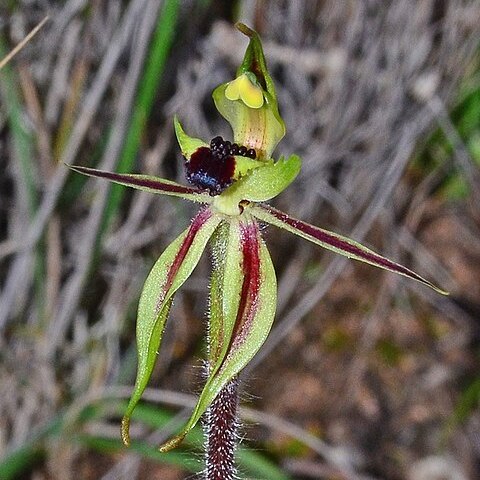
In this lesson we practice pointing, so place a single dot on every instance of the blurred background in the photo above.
(365, 375)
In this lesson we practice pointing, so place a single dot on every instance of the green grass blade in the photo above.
(19, 460)
(110, 445)
(22, 139)
(14, 464)
(160, 48)
(257, 466)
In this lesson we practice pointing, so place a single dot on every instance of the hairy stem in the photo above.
(221, 434)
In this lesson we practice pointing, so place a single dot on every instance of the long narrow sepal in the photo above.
(147, 183)
(167, 275)
(334, 242)
(244, 315)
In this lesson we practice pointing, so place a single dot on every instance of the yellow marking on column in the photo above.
(244, 89)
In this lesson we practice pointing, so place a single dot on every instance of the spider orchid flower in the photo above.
(232, 181)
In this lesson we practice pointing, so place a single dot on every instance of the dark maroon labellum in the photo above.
(209, 171)
(213, 168)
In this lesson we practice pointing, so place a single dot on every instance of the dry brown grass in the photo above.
(361, 85)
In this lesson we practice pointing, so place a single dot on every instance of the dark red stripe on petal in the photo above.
(348, 248)
(138, 181)
(197, 223)
(247, 308)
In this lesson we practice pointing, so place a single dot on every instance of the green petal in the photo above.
(334, 242)
(188, 145)
(167, 275)
(147, 183)
(225, 290)
(246, 316)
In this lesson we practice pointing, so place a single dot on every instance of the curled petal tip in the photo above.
(439, 290)
(125, 431)
(244, 29)
(172, 443)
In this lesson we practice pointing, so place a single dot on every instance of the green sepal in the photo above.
(167, 275)
(188, 145)
(248, 332)
(254, 61)
(259, 128)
